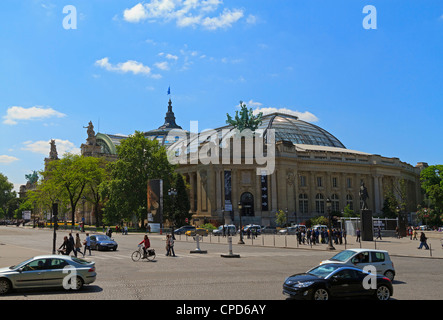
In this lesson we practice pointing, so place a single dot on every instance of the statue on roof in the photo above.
(246, 119)
(91, 134)
(53, 155)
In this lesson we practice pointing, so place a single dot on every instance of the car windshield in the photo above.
(324, 270)
(343, 256)
(20, 264)
(103, 238)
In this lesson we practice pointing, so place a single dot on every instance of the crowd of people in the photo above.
(70, 245)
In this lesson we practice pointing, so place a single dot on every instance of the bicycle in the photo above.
(138, 254)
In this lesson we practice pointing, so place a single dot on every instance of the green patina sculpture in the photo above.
(32, 178)
(246, 119)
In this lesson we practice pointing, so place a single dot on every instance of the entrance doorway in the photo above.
(247, 202)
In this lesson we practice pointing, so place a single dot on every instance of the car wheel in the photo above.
(320, 294)
(389, 274)
(78, 284)
(5, 286)
(383, 293)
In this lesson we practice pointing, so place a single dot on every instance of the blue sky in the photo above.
(377, 90)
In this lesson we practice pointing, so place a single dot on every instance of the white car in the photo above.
(366, 257)
(229, 229)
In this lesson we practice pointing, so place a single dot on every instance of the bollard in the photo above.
(198, 250)
(230, 254)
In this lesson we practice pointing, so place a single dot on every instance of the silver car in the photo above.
(48, 271)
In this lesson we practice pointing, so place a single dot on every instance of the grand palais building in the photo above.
(310, 166)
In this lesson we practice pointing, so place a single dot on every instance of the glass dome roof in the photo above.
(287, 128)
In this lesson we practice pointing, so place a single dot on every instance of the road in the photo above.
(257, 275)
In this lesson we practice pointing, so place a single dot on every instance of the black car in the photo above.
(182, 230)
(102, 242)
(336, 281)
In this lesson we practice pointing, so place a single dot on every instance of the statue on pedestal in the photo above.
(364, 196)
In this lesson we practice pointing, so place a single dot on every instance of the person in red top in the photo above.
(147, 244)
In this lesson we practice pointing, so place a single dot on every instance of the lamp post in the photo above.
(83, 215)
(54, 221)
(241, 231)
(328, 206)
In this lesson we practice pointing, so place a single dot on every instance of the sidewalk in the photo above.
(396, 247)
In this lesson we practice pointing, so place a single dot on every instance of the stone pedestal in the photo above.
(367, 230)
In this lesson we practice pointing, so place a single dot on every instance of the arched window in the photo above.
(335, 203)
(349, 202)
(303, 203)
(320, 203)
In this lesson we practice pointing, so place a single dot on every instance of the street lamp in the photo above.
(241, 231)
(54, 221)
(328, 206)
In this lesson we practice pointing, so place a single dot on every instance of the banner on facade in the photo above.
(264, 193)
(228, 191)
(155, 200)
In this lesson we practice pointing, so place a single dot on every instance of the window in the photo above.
(377, 256)
(334, 182)
(349, 202)
(58, 264)
(335, 203)
(319, 203)
(319, 182)
(302, 181)
(349, 182)
(303, 203)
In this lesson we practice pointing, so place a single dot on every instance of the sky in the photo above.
(373, 78)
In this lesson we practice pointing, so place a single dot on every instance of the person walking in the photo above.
(423, 239)
(358, 235)
(87, 244)
(78, 244)
(170, 246)
(378, 233)
(414, 234)
(71, 245)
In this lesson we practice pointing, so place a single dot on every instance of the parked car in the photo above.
(269, 230)
(199, 231)
(320, 227)
(335, 281)
(229, 229)
(252, 227)
(288, 230)
(363, 257)
(102, 242)
(47, 271)
(182, 230)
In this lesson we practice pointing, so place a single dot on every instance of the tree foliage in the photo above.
(139, 159)
(432, 184)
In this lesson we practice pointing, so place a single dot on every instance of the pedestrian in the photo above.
(71, 245)
(170, 246)
(358, 235)
(344, 236)
(378, 233)
(64, 246)
(167, 244)
(78, 244)
(423, 241)
(414, 234)
(87, 244)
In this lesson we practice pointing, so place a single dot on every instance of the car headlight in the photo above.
(297, 284)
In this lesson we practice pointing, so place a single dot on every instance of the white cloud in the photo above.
(171, 57)
(305, 116)
(162, 65)
(7, 159)
(129, 66)
(15, 113)
(43, 147)
(186, 13)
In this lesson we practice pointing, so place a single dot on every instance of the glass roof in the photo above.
(287, 128)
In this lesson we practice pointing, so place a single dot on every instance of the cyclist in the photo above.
(147, 244)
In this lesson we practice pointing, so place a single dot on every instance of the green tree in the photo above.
(139, 159)
(280, 218)
(69, 176)
(432, 184)
(6, 195)
(177, 207)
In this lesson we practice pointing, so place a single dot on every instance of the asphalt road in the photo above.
(257, 275)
